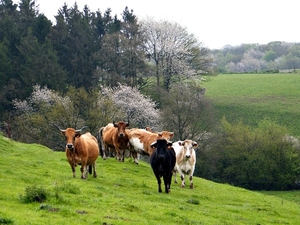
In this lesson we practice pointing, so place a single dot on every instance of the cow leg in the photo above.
(191, 177)
(122, 152)
(73, 170)
(191, 182)
(72, 167)
(182, 180)
(159, 183)
(83, 176)
(167, 179)
(94, 170)
(175, 178)
(136, 157)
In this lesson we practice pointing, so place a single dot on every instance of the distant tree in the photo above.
(254, 158)
(74, 40)
(174, 51)
(132, 42)
(139, 109)
(186, 112)
(40, 64)
(270, 56)
(34, 117)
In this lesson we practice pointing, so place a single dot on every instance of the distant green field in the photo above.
(252, 97)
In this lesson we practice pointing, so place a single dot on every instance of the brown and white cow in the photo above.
(141, 140)
(114, 136)
(185, 160)
(81, 150)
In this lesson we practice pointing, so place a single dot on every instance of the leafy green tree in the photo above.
(254, 158)
(186, 112)
(40, 64)
(132, 42)
(270, 56)
(74, 40)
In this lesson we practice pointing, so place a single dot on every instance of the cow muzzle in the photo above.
(187, 156)
(161, 156)
(70, 146)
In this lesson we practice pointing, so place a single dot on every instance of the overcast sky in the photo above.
(215, 23)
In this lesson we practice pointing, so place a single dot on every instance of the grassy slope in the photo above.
(252, 97)
(123, 193)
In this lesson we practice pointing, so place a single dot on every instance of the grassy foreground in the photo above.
(123, 193)
(253, 97)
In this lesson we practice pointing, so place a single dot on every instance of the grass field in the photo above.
(124, 193)
(252, 97)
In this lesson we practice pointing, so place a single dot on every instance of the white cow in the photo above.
(185, 160)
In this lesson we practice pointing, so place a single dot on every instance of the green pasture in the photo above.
(252, 97)
(123, 193)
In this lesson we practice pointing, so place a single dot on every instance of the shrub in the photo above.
(34, 194)
(258, 158)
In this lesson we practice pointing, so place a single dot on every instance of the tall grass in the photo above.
(252, 97)
(123, 193)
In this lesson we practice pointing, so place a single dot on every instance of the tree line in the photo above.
(87, 49)
(248, 58)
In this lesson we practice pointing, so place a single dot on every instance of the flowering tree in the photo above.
(34, 118)
(174, 51)
(139, 109)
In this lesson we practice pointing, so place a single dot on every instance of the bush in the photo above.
(34, 194)
(259, 158)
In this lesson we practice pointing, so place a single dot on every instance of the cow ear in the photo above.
(115, 125)
(171, 134)
(153, 144)
(77, 135)
(181, 143)
(159, 134)
(127, 124)
(195, 144)
(169, 144)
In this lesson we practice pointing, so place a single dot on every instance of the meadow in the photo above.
(252, 97)
(123, 193)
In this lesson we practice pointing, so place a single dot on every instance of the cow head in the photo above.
(166, 135)
(121, 128)
(161, 146)
(70, 135)
(150, 129)
(188, 147)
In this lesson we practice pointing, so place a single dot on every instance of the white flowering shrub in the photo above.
(34, 118)
(139, 109)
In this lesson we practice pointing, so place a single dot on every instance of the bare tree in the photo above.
(186, 112)
(173, 50)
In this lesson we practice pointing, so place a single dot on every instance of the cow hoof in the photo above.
(191, 186)
(182, 186)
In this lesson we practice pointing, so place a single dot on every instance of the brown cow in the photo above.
(81, 150)
(114, 136)
(141, 140)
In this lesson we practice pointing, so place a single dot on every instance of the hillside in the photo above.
(253, 97)
(123, 193)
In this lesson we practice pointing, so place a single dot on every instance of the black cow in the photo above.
(162, 161)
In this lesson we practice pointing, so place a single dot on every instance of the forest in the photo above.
(93, 68)
(273, 57)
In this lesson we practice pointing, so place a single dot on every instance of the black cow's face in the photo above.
(161, 147)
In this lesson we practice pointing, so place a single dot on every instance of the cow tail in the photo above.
(90, 169)
(100, 141)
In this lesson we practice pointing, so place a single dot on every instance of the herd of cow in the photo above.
(166, 158)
